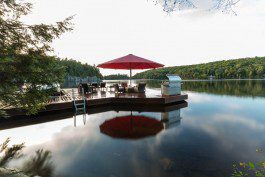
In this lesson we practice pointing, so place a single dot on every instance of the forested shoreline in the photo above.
(78, 69)
(245, 68)
(116, 77)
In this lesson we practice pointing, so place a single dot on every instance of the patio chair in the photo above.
(118, 89)
(80, 87)
(102, 85)
(86, 88)
(130, 89)
(92, 89)
(140, 88)
(95, 84)
(124, 84)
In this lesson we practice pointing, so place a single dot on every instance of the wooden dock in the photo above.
(104, 98)
(22, 120)
(136, 99)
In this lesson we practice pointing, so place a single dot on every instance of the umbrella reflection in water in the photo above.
(131, 127)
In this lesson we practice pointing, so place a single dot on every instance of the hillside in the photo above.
(116, 77)
(244, 68)
(78, 69)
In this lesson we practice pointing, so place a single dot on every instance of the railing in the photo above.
(67, 97)
(58, 99)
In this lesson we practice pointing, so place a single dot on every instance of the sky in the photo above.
(108, 29)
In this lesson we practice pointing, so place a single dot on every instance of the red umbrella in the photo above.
(130, 62)
(131, 127)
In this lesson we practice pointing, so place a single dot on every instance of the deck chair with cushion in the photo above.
(140, 88)
(102, 85)
(124, 84)
(85, 87)
(95, 84)
(118, 89)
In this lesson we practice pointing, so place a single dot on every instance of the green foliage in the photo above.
(33, 72)
(17, 37)
(75, 68)
(116, 77)
(244, 169)
(40, 164)
(249, 169)
(9, 153)
(24, 57)
(244, 88)
(227, 69)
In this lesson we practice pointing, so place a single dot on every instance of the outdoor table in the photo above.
(110, 87)
(93, 88)
(129, 89)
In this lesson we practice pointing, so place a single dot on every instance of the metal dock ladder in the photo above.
(79, 104)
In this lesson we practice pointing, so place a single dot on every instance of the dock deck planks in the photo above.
(110, 98)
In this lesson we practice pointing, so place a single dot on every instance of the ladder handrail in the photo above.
(76, 105)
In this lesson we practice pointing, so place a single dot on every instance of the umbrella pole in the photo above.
(130, 76)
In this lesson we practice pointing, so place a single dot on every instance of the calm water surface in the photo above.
(224, 123)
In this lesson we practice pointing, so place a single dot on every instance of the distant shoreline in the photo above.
(227, 69)
(195, 80)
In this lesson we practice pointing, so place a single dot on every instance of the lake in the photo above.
(223, 124)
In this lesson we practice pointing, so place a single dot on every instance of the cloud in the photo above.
(199, 98)
(106, 30)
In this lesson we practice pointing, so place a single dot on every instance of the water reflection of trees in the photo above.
(236, 88)
(39, 164)
(254, 88)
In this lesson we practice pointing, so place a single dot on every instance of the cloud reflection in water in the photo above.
(214, 132)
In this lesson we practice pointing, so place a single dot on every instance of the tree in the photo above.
(24, 58)
(75, 68)
(260, 71)
(251, 68)
(116, 77)
(10, 153)
(33, 71)
(222, 5)
(39, 164)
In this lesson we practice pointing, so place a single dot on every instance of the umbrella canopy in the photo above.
(131, 127)
(130, 62)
